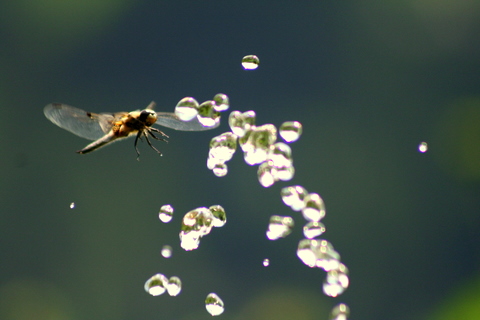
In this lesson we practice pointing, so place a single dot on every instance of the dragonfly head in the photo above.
(149, 117)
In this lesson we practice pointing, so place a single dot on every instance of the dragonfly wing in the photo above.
(84, 124)
(170, 120)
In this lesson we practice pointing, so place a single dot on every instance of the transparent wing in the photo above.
(170, 120)
(84, 124)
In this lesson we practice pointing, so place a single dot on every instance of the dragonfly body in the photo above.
(105, 128)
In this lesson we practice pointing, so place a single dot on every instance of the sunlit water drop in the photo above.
(198, 223)
(166, 213)
(294, 197)
(187, 109)
(318, 253)
(223, 147)
(221, 102)
(240, 123)
(423, 147)
(266, 262)
(314, 207)
(340, 312)
(156, 285)
(313, 229)
(256, 143)
(174, 286)
(279, 227)
(166, 251)
(207, 115)
(72, 205)
(214, 304)
(250, 62)
(290, 131)
(336, 281)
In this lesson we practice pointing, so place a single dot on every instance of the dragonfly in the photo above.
(105, 128)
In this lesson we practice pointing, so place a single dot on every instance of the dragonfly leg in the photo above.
(139, 136)
(151, 145)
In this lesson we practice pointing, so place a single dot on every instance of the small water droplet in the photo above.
(266, 262)
(166, 251)
(267, 174)
(72, 205)
(250, 62)
(156, 285)
(214, 304)
(221, 102)
(423, 147)
(340, 312)
(294, 197)
(219, 215)
(187, 109)
(166, 213)
(336, 281)
(314, 209)
(279, 227)
(313, 229)
(240, 123)
(290, 131)
(174, 286)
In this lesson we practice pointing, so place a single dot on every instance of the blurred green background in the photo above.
(369, 80)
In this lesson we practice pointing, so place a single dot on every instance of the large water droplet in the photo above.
(198, 223)
(290, 131)
(221, 102)
(219, 215)
(336, 281)
(279, 227)
(156, 285)
(207, 115)
(223, 147)
(318, 253)
(314, 209)
(214, 304)
(166, 213)
(240, 123)
(340, 312)
(250, 62)
(174, 286)
(256, 143)
(187, 109)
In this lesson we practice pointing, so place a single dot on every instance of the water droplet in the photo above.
(214, 304)
(314, 209)
(220, 169)
(166, 213)
(267, 174)
(294, 197)
(223, 147)
(279, 227)
(313, 229)
(240, 123)
(318, 253)
(221, 102)
(423, 147)
(207, 115)
(340, 312)
(166, 251)
(187, 109)
(336, 281)
(174, 286)
(72, 205)
(290, 131)
(250, 62)
(281, 155)
(219, 215)
(156, 285)
(198, 223)
(256, 143)
(266, 262)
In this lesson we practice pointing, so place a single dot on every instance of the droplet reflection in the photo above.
(423, 147)
(214, 304)
(166, 251)
(250, 62)
(166, 213)
(290, 131)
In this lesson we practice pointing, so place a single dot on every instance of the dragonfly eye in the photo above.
(148, 117)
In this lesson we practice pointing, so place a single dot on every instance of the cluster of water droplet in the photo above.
(159, 283)
(259, 146)
(198, 223)
(207, 112)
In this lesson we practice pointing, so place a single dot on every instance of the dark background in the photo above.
(369, 80)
